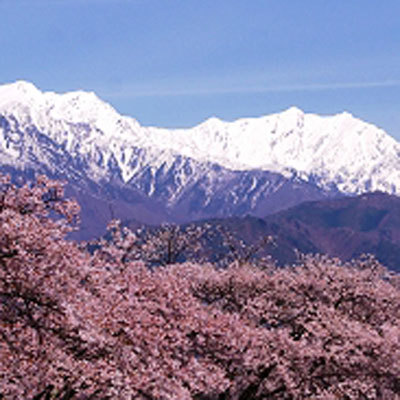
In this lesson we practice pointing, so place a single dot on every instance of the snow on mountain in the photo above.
(340, 149)
(214, 166)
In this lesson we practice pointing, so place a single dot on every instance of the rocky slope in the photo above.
(250, 166)
(345, 228)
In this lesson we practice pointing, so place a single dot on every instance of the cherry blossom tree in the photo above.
(37, 281)
(336, 327)
(103, 325)
(232, 249)
(157, 246)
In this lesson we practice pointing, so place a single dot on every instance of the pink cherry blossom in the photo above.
(103, 325)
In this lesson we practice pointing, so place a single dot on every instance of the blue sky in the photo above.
(177, 62)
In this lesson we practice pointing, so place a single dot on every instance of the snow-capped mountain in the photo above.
(252, 165)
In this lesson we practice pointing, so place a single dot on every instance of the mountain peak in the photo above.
(328, 150)
(18, 91)
(23, 86)
(293, 110)
(26, 100)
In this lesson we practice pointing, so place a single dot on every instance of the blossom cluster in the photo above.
(76, 324)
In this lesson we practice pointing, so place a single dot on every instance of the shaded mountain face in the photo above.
(345, 228)
(258, 166)
(182, 191)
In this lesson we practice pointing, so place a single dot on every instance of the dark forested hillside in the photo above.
(344, 228)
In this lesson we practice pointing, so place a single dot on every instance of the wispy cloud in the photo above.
(215, 90)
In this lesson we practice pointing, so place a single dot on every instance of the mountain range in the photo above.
(253, 166)
(345, 228)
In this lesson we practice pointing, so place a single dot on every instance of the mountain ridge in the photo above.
(217, 168)
(346, 228)
(284, 142)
